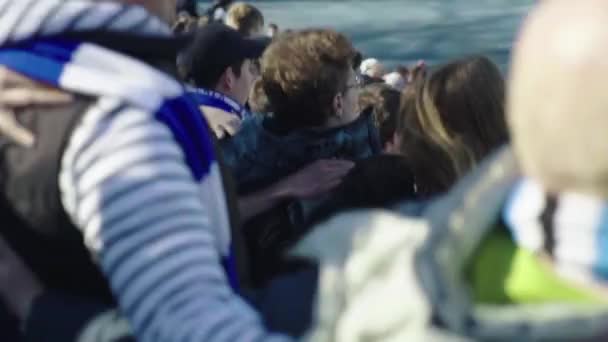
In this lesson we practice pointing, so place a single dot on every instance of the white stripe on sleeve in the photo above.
(125, 184)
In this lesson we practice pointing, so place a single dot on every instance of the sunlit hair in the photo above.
(245, 18)
(384, 102)
(303, 71)
(459, 118)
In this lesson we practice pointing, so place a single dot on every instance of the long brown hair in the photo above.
(459, 118)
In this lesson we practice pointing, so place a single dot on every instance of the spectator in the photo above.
(509, 254)
(459, 120)
(185, 24)
(125, 171)
(217, 11)
(404, 71)
(273, 30)
(314, 99)
(373, 68)
(245, 18)
(220, 65)
(384, 103)
(395, 80)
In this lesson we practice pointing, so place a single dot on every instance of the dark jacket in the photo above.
(262, 154)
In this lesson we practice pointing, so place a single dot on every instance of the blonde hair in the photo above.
(244, 18)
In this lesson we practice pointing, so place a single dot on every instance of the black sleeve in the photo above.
(60, 317)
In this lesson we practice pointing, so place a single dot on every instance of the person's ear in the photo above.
(338, 104)
(228, 79)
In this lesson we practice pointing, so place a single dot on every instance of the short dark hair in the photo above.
(302, 72)
(208, 81)
(215, 48)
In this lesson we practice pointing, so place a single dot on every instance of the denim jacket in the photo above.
(259, 155)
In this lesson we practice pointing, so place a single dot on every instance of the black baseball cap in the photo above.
(216, 47)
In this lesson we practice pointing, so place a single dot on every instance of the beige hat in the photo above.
(558, 98)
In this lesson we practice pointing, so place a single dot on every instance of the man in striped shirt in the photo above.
(128, 164)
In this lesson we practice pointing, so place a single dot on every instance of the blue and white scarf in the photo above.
(571, 228)
(31, 44)
(210, 98)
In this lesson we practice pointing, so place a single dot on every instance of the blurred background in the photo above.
(404, 31)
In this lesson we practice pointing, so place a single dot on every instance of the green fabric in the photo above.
(502, 273)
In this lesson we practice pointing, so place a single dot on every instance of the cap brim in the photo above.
(254, 47)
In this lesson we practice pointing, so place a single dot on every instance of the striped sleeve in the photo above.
(124, 183)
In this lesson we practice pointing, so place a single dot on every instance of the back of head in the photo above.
(558, 108)
(302, 72)
(384, 101)
(245, 18)
(372, 68)
(459, 119)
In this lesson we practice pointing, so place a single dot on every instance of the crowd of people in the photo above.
(173, 174)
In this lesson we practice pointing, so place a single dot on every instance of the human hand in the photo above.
(316, 179)
(18, 285)
(16, 92)
(221, 122)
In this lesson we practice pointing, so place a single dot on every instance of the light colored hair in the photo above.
(558, 102)
(244, 18)
(458, 120)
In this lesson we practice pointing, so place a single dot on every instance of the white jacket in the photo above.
(387, 277)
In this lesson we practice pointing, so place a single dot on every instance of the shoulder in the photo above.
(246, 140)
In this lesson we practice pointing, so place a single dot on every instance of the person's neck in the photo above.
(228, 94)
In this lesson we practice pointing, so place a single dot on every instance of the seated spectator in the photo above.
(516, 251)
(459, 120)
(221, 67)
(245, 18)
(384, 102)
(314, 101)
